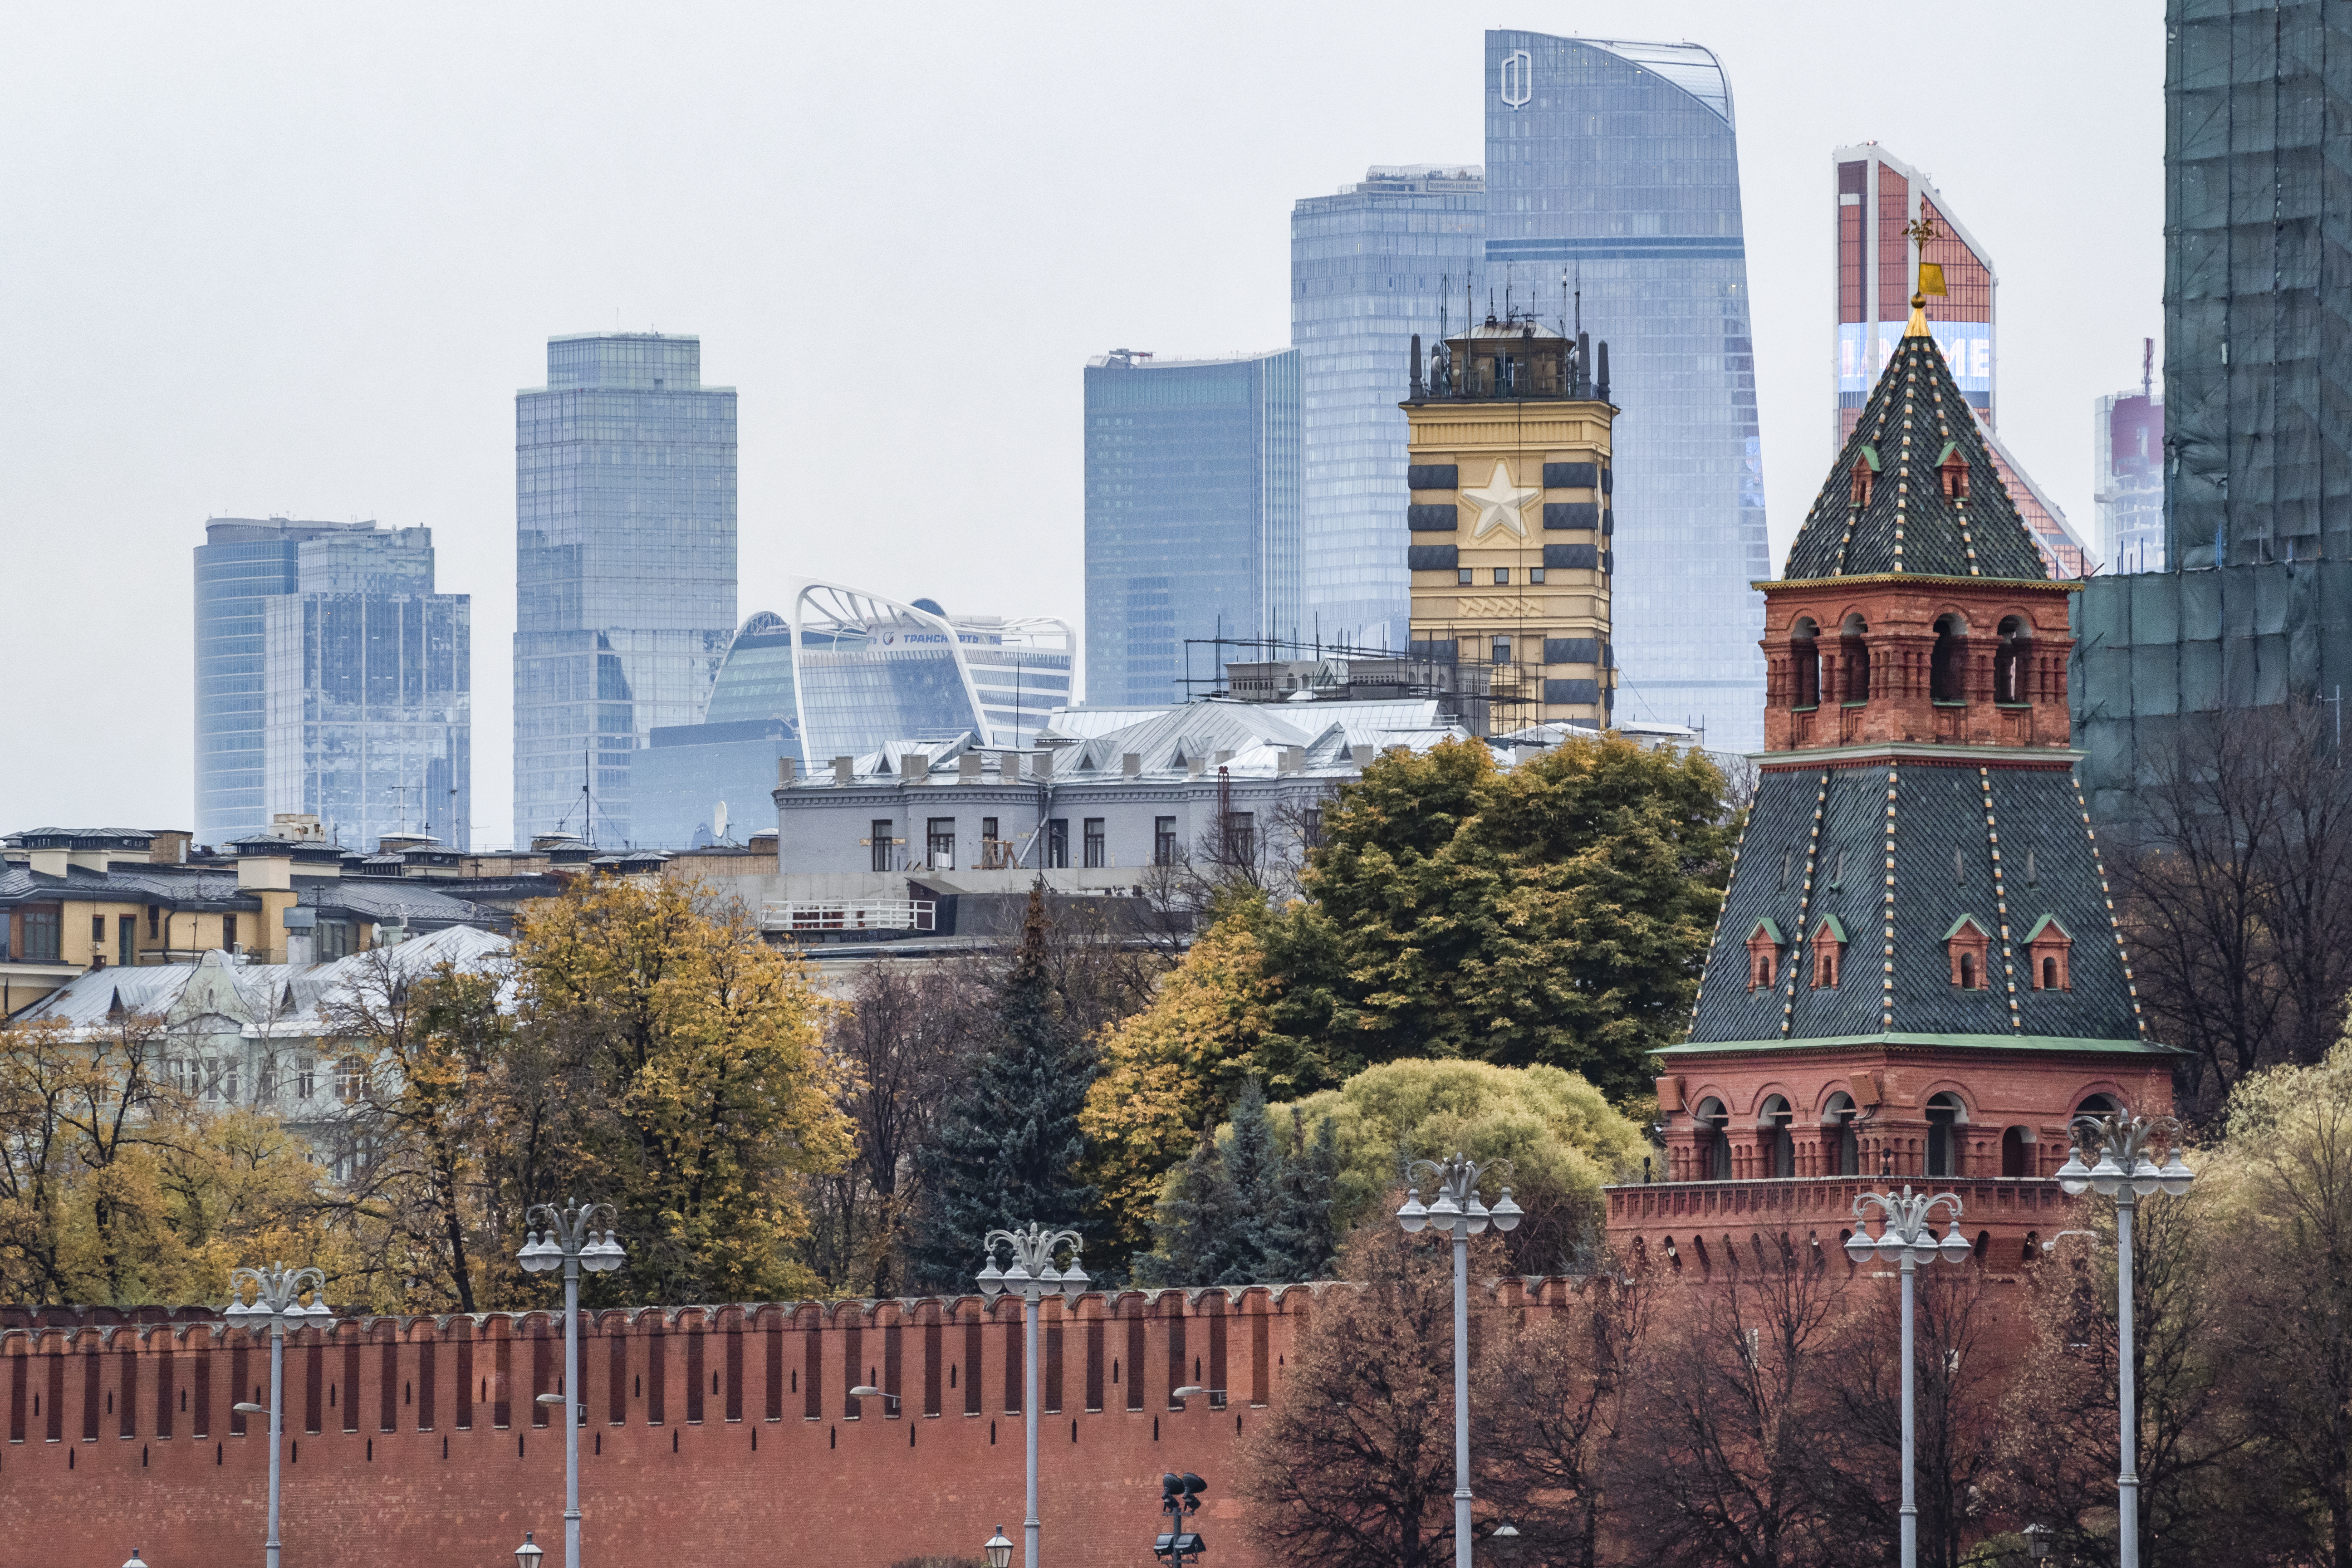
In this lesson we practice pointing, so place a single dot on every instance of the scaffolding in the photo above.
(1483, 697)
(2255, 607)
(2258, 384)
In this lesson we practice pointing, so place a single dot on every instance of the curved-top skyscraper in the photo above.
(1613, 174)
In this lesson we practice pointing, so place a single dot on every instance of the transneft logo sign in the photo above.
(1518, 68)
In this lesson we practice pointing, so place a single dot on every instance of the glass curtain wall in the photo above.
(1192, 513)
(1613, 195)
(1369, 267)
(625, 570)
(870, 670)
(243, 563)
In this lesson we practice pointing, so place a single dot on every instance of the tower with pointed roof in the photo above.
(1917, 974)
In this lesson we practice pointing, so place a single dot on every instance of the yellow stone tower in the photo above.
(1510, 519)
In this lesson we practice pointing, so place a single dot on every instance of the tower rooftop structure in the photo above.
(1917, 972)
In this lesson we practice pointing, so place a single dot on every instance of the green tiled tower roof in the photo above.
(1915, 420)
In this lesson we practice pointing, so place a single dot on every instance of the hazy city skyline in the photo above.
(265, 269)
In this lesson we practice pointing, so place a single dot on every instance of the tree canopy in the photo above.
(1557, 914)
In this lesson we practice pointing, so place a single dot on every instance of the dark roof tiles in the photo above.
(1915, 416)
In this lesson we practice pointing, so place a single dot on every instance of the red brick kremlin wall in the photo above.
(713, 1434)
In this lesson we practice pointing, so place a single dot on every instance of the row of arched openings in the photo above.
(1946, 1114)
(1946, 664)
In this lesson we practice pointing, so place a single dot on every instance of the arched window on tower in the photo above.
(1775, 1124)
(1804, 664)
(1838, 1117)
(1948, 666)
(1946, 1115)
(1714, 1124)
(1854, 658)
(1862, 480)
(2008, 659)
(2017, 1151)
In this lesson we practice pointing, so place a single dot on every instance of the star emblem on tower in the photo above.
(1500, 503)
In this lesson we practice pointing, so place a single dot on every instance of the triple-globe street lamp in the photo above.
(2122, 1171)
(1906, 1237)
(272, 1298)
(570, 1240)
(1459, 1214)
(1032, 1277)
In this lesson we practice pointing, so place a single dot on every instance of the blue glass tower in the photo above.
(1368, 267)
(624, 568)
(243, 563)
(1614, 169)
(1192, 513)
(368, 715)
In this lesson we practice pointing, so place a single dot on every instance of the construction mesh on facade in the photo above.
(2258, 397)
(2257, 288)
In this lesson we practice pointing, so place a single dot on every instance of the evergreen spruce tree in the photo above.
(1247, 1212)
(1008, 1143)
(1191, 1227)
(1300, 1243)
(1254, 1170)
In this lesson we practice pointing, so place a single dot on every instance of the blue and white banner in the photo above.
(1966, 345)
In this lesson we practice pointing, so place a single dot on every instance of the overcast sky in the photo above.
(297, 259)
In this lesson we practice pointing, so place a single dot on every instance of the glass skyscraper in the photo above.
(1370, 267)
(624, 568)
(1612, 180)
(1192, 514)
(368, 676)
(243, 563)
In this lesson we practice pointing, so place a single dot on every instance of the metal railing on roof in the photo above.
(849, 914)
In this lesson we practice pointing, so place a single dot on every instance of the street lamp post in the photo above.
(2123, 1172)
(571, 1240)
(275, 1302)
(1458, 1213)
(1033, 1278)
(1906, 1236)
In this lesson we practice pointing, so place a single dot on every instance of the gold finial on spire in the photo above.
(1931, 277)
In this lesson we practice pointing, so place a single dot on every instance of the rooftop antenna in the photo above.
(1580, 297)
(2148, 367)
(1444, 288)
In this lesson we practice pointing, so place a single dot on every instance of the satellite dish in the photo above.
(719, 821)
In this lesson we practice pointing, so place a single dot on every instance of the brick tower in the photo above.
(1918, 972)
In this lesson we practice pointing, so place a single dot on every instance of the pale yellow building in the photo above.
(1511, 519)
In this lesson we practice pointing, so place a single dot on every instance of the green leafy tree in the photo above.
(1561, 1137)
(1008, 1149)
(684, 1083)
(1251, 1002)
(1557, 914)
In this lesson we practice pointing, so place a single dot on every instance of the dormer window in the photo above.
(1865, 475)
(1764, 947)
(1953, 471)
(1967, 944)
(2047, 948)
(1828, 947)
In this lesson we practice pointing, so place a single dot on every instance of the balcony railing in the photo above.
(1985, 1201)
(849, 914)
